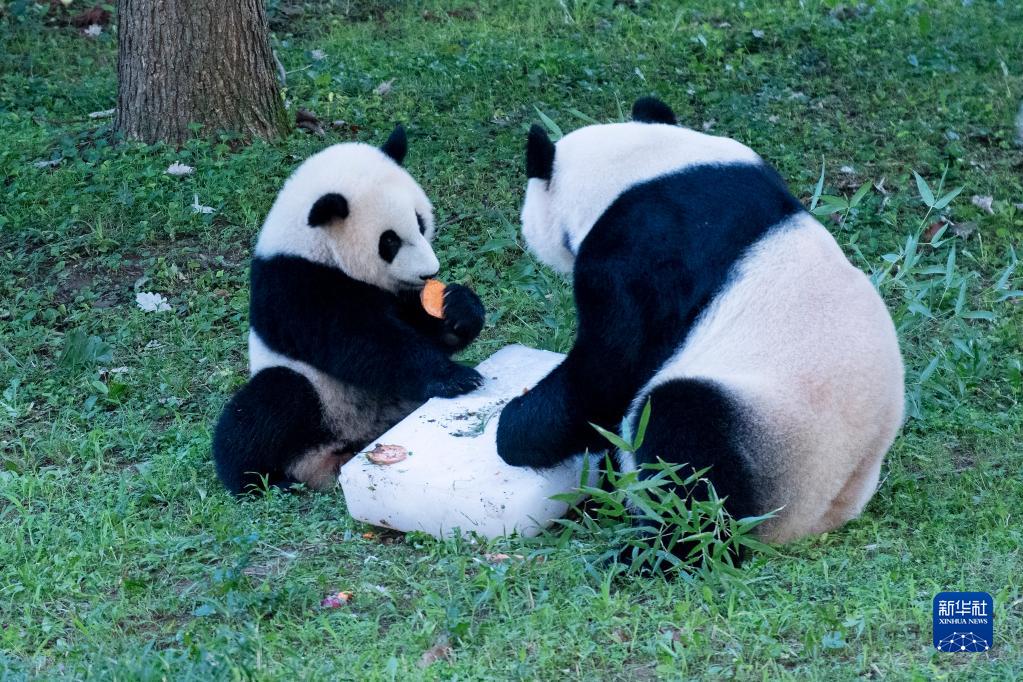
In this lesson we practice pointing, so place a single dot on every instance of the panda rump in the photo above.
(704, 287)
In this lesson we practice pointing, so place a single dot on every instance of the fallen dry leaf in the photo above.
(387, 454)
(336, 599)
(932, 230)
(94, 16)
(620, 636)
(308, 121)
(441, 651)
(499, 557)
(674, 633)
(369, 536)
(384, 88)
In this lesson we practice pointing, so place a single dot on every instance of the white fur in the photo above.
(609, 159)
(381, 196)
(803, 340)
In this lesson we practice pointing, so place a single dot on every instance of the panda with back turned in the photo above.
(340, 347)
(704, 287)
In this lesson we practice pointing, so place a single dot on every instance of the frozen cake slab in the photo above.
(452, 480)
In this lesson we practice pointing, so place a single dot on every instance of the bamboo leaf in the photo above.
(924, 189)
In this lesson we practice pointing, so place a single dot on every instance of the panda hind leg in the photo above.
(695, 422)
(272, 429)
(318, 468)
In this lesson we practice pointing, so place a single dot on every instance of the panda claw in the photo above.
(462, 380)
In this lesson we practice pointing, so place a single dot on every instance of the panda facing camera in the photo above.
(763, 352)
(340, 348)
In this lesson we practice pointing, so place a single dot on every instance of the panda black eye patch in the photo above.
(390, 242)
(422, 225)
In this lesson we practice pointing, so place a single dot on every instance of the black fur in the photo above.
(463, 315)
(354, 331)
(652, 110)
(390, 243)
(539, 154)
(650, 265)
(252, 442)
(396, 145)
(327, 208)
(383, 343)
(697, 423)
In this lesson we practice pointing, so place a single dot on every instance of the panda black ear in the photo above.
(329, 207)
(652, 110)
(397, 145)
(539, 154)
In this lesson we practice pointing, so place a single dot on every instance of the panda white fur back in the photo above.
(829, 403)
(339, 347)
(763, 352)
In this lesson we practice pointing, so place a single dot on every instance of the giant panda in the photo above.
(340, 348)
(704, 287)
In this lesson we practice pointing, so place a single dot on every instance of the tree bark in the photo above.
(202, 62)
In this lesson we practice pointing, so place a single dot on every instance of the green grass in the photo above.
(122, 557)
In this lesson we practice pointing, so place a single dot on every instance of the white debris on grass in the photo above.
(983, 203)
(200, 208)
(151, 302)
(177, 168)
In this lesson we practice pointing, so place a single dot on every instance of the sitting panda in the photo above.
(340, 348)
(704, 287)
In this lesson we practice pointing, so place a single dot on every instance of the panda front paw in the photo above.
(460, 380)
(463, 313)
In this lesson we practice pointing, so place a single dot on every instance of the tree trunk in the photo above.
(201, 62)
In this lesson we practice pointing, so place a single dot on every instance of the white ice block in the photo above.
(453, 481)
